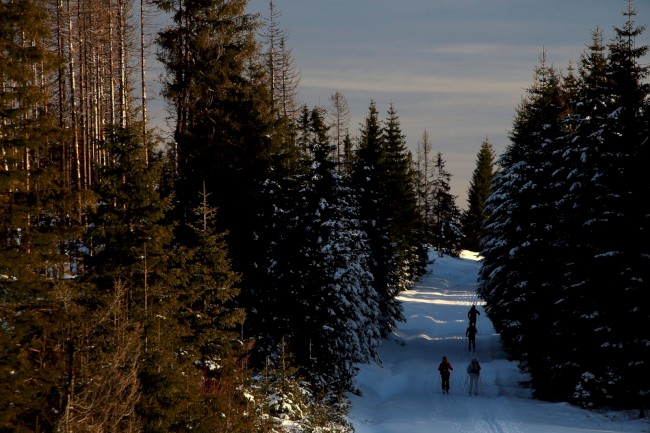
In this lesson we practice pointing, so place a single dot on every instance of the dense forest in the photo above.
(566, 248)
(232, 276)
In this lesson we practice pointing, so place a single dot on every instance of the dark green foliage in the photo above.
(319, 297)
(382, 174)
(38, 226)
(112, 318)
(206, 289)
(129, 244)
(618, 223)
(566, 240)
(223, 116)
(203, 332)
(406, 221)
(228, 138)
(368, 177)
(129, 232)
(191, 373)
(479, 191)
(445, 214)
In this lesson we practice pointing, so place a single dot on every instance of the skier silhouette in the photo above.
(471, 315)
(471, 337)
(474, 371)
(445, 369)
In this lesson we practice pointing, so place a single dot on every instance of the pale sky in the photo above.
(456, 68)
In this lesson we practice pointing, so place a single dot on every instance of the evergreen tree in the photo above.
(406, 222)
(520, 237)
(632, 73)
(129, 245)
(39, 311)
(565, 251)
(375, 213)
(229, 138)
(273, 301)
(616, 219)
(445, 214)
(329, 307)
(578, 326)
(478, 192)
(205, 322)
(425, 173)
(343, 302)
(272, 308)
(218, 90)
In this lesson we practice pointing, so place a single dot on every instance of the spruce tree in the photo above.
(445, 214)
(204, 324)
(339, 297)
(129, 244)
(520, 237)
(578, 324)
(566, 261)
(636, 97)
(40, 313)
(617, 221)
(387, 184)
(271, 300)
(406, 224)
(478, 192)
(216, 86)
(322, 302)
(375, 213)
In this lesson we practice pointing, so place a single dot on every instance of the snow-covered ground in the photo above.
(404, 395)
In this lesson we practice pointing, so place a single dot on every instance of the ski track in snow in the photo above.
(403, 394)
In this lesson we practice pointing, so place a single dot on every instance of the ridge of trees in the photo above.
(191, 284)
(565, 241)
(234, 277)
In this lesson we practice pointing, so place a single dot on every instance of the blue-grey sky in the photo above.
(456, 68)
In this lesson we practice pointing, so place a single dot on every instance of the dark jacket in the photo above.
(471, 314)
(445, 367)
(474, 367)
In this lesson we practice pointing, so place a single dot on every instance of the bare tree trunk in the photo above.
(77, 181)
(146, 299)
(111, 63)
(122, 53)
(339, 122)
(26, 156)
(425, 167)
(61, 96)
(95, 136)
(181, 117)
(145, 145)
(82, 117)
(106, 403)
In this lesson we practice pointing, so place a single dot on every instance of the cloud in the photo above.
(399, 81)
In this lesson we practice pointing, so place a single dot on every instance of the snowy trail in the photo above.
(404, 395)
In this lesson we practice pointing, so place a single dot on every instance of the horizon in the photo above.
(457, 69)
